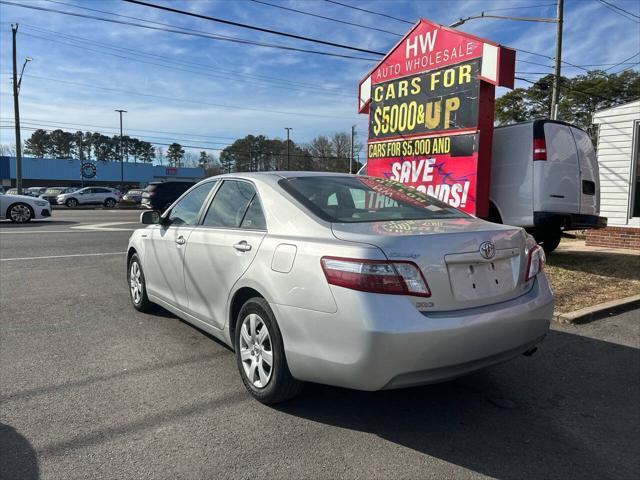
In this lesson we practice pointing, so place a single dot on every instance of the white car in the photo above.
(108, 197)
(23, 208)
(357, 282)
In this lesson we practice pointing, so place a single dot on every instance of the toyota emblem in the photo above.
(487, 250)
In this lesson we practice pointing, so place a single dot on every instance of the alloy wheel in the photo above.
(135, 282)
(20, 213)
(256, 350)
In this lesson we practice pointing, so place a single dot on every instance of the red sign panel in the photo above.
(430, 106)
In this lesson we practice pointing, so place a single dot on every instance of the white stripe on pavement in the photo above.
(62, 256)
(103, 227)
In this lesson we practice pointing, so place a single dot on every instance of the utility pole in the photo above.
(555, 96)
(80, 156)
(121, 152)
(16, 113)
(353, 134)
(288, 129)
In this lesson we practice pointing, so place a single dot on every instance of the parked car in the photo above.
(160, 195)
(357, 282)
(12, 191)
(34, 191)
(133, 196)
(89, 196)
(544, 177)
(51, 193)
(23, 208)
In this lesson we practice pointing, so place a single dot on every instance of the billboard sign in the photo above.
(430, 106)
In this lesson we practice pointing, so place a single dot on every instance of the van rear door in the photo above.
(557, 179)
(589, 176)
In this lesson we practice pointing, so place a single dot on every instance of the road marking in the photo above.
(62, 256)
(104, 227)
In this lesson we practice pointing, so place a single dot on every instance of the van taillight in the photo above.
(539, 149)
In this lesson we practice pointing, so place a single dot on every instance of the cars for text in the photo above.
(89, 196)
(351, 281)
(23, 208)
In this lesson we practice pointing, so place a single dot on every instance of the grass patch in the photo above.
(583, 279)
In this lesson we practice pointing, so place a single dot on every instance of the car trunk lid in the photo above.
(448, 252)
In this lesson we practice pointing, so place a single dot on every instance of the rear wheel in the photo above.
(71, 203)
(20, 213)
(137, 285)
(260, 354)
(109, 203)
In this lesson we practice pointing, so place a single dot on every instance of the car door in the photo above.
(165, 245)
(85, 196)
(589, 176)
(221, 249)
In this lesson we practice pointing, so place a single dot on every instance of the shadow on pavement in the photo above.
(571, 411)
(17, 456)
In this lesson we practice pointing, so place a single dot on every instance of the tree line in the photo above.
(580, 98)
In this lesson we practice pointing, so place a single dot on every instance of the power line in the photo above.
(293, 85)
(521, 8)
(252, 27)
(189, 32)
(84, 40)
(620, 11)
(85, 125)
(371, 12)
(282, 7)
(625, 60)
(185, 100)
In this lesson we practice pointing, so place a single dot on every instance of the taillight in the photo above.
(535, 262)
(376, 276)
(539, 149)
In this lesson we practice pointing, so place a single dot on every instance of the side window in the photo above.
(254, 218)
(185, 212)
(230, 204)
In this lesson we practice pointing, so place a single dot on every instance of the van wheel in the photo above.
(548, 240)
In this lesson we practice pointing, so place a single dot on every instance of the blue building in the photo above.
(49, 172)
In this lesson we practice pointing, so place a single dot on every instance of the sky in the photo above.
(206, 92)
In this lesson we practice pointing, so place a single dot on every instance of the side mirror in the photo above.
(150, 218)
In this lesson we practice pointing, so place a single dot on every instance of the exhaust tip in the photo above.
(530, 352)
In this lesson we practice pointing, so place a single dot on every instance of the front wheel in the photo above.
(20, 213)
(109, 203)
(260, 354)
(137, 285)
(71, 203)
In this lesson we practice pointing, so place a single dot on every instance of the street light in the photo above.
(121, 152)
(558, 21)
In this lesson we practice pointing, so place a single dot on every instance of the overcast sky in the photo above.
(206, 92)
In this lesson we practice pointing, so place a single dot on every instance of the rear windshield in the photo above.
(134, 192)
(365, 199)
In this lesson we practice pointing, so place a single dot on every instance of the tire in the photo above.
(549, 240)
(137, 285)
(71, 203)
(267, 384)
(109, 203)
(20, 213)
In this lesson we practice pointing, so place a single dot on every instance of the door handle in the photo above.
(242, 246)
(180, 240)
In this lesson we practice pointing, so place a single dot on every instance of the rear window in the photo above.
(53, 191)
(365, 199)
(134, 192)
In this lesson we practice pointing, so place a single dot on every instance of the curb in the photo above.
(588, 314)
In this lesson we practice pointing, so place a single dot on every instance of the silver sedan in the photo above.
(351, 281)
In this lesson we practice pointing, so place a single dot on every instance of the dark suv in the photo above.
(160, 195)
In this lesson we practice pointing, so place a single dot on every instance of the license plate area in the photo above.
(474, 278)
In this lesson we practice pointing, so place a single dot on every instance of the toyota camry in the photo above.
(343, 280)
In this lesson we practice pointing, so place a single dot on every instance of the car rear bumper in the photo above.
(383, 342)
(567, 221)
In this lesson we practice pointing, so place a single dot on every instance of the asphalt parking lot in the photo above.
(91, 388)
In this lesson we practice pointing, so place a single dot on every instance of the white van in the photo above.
(544, 177)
